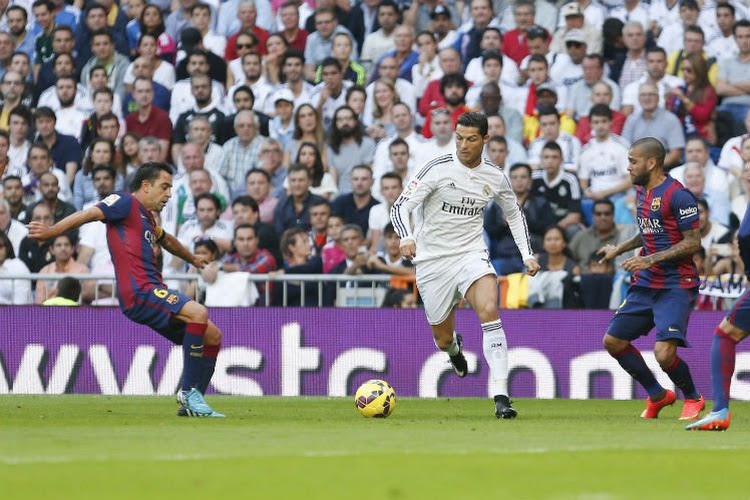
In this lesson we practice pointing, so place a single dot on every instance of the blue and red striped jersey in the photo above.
(131, 235)
(663, 213)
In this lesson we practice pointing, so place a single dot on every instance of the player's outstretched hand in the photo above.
(39, 231)
(408, 249)
(199, 261)
(608, 252)
(532, 267)
(636, 263)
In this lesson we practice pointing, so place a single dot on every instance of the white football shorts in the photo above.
(444, 281)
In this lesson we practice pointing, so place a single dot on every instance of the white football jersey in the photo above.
(449, 199)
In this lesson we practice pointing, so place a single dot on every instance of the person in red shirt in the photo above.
(453, 87)
(149, 120)
(247, 13)
(601, 93)
(450, 63)
(295, 36)
(514, 42)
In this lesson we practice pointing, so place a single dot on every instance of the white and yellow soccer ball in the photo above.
(375, 398)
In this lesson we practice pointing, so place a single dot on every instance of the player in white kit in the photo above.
(448, 196)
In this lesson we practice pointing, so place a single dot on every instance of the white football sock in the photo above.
(496, 353)
(453, 349)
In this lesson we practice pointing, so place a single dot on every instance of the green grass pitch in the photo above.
(97, 447)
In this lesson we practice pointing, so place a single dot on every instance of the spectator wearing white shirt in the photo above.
(632, 10)
(281, 127)
(182, 95)
(718, 208)
(732, 158)
(391, 186)
(594, 13)
(292, 78)
(18, 147)
(206, 224)
(671, 35)
(575, 20)
(717, 180)
(721, 42)
(389, 68)
(12, 292)
(579, 98)
(40, 163)
(441, 143)
(662, 13)
(14, 230)
(603, 170)
(549, 127)
(492, 70)
(200, 18)
(153, 66)
(428, 64)
(252, 76)
(379, 42)
(200, 133)
(70, 116)
(492, 41)
(418, 150)
(92, 247)
(567, 69)
(330, 94)
(656, 66)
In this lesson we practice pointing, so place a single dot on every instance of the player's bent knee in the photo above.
(213, 334)
(613, 345)
(665, 353)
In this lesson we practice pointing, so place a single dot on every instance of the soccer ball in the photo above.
(375, 398)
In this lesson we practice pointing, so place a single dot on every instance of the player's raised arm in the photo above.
(173, 246)
(42, 232)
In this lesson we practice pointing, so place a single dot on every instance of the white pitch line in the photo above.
(190, 457)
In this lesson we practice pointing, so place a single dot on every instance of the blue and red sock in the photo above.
(192, 355)
(632, 362)
(210, 353)
(679, 373)
(722, 367)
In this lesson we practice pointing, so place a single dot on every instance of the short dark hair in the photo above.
(298, 168)
(392, 175)
(605, 201)
(105, 90)
(398, 142)
(552, 145)
(258, 171)
(21, 111)
(388, 3)
(148, 172)
(725, 5)
(330, 61)
(245, 226)
(453, 79)
(102, 32)
(600, 110)
(499, 139)
(537, 33)
(69, 288)
(19, 9)
(548, 110)
(46, 3)
(9, 252)
(211, 197)
(656, 49)
(109, 117)
(200, 6)
(492, 55)
(98, 67)
(525, 166)
(247, 90)
(694, 28)
(652, 148)
(11, 178)
(44, 112)
(247, 201)
(104, 167)
(209, 244)
(316, 202)
(702, 202)
(595, 57)
(388, 230)
(292, 54)
(474, 119)
(540, 59)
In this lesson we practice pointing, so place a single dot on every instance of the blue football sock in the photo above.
(192, 355)
(632, 362)
(679, 373)
(722, 367)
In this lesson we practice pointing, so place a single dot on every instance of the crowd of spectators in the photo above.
(294, 125)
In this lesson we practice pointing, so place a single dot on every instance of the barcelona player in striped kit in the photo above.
(132, 234)
(664, 283)
(733, 329)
